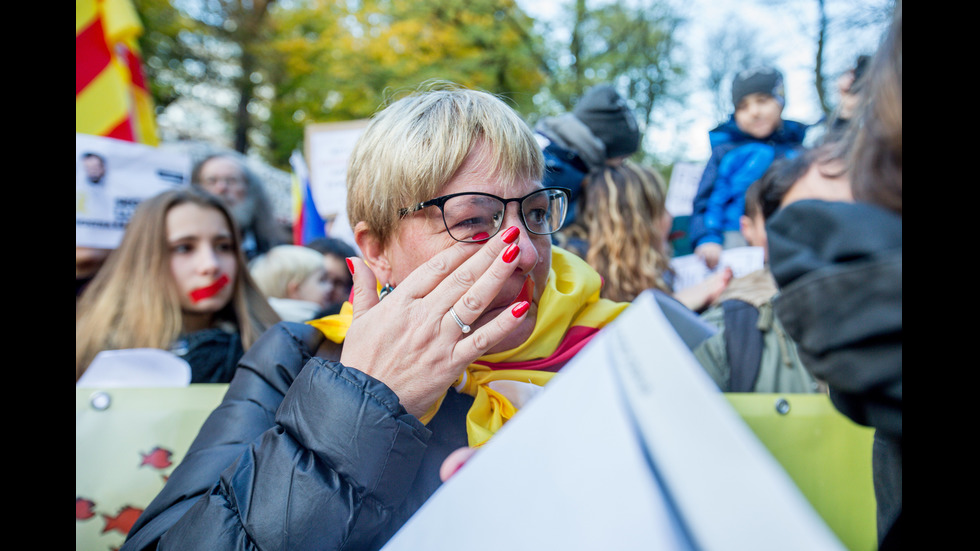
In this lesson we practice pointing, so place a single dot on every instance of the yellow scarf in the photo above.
(569, 314)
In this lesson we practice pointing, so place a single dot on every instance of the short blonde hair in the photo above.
(414, 146)
(282, 265)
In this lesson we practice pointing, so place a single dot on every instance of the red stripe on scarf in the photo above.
(576, 337)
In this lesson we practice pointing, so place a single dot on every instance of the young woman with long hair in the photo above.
(621, 230)
(178, 281)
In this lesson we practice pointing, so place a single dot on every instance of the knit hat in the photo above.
(761, 80)
(608, 117)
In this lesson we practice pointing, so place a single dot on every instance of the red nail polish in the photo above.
(350, 299)
(511, 253)
(350, 266)
(520, 308)
(510, 234)
(482, 236)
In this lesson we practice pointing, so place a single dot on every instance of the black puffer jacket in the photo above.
(308, 453)
(839, 269)
(212, 353)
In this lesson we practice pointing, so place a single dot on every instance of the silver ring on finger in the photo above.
(462, 326)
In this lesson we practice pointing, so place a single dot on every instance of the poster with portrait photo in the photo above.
(112, 177)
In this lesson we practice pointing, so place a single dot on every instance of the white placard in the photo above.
(631, 446)
(684, 179)
(136, 368)
(329, 146)
(691, 269)
(112, 177)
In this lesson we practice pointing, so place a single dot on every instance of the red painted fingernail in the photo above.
(520, 308)
(350, 299)
(350, 266)
(510, 234)
(482, 236)
(511, 253)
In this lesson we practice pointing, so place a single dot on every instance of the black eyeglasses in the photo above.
(473, 216)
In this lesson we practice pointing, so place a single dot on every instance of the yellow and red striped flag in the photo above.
(111, 95)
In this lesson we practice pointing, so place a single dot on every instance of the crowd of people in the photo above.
(486, 254)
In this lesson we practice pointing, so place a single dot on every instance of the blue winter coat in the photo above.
(737, 160)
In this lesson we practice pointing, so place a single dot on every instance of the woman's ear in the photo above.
(372, 251)
(291, 289)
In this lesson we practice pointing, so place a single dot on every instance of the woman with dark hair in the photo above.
(839, 269)
(335, 254)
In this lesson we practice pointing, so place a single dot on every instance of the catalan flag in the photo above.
(111, 95)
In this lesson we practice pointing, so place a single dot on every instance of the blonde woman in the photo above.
(177, 282)
(338, 450)
(295, 280)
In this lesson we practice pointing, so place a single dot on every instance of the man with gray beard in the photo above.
(228, 177)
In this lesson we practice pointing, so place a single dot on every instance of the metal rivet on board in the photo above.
(100, 400)
(782, 406)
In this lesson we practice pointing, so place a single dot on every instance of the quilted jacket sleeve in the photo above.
(301, 453)
(327, 475)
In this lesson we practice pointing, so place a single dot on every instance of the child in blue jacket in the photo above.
(741, 150)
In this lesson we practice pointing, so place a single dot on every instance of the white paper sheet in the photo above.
(630, 447)
(691, 270)
(137, 368)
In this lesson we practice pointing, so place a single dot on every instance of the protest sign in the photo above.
(112, 177)
(127, 443)
(328, 148)
(631, 446)
(690, 269)
(684, 178)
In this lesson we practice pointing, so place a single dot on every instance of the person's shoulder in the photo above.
(755, 288)
(286, 345)
(793, 131)
(811, 234)
(723, 136)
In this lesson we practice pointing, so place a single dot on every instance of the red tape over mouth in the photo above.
(198, 295)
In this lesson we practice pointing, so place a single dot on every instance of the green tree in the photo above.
(210, 51)
(280, 66)
(628, 44)
(733, 47)
(638, 44)
(839, 33)
(336, 61)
